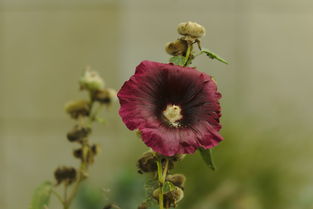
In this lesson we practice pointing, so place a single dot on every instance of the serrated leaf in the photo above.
(41, 196)
(207, 156)
(212, 55)
(168, 187)
(178, 60)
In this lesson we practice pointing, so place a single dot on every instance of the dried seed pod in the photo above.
(178, 47)
(192, 29)
(91, 81)
(147, 163)
(177, 179)
(78, 108)
(78, 133)
(105, 96)
(66, 175)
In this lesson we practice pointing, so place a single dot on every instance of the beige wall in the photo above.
(45, 44)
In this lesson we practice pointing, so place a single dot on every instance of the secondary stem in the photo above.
(188, 54)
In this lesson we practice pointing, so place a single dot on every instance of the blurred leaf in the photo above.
(207, 156)
(178, 60)
(168, 187)
(212, 55)
(41, 196)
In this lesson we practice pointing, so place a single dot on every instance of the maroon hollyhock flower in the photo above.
(175, 108)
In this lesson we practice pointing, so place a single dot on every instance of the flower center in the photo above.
(173, 114)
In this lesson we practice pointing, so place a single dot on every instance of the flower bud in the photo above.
(66, 175)
(147, 163)
(95, 149)
(143, 206)
(77, 134)
(78, 108)
(171, 198)
(78, 153)
(178, 47)
(177, 179)
(178, 157)
(105, 96)
(191, 29)
(91, 81)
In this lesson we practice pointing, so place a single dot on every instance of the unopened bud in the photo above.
(78, 108)
(78, 153)
(147, 163)
(143, 206)
(65, 175)
(77, 134)
(178, 157)
(91, 81)
(171, 198)
(105, 96)
(178, 47)
(177, 179)
(95, 149)
(191, 29)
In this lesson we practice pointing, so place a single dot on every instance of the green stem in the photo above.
(162, 177)
(188, 54)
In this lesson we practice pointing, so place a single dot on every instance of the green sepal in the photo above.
(207, 156)
(41, 196)
(168, 187)
(178, 60)
(213, 55)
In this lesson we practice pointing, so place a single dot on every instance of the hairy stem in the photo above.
(162, 173)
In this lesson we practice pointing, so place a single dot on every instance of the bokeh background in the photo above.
(265, 161)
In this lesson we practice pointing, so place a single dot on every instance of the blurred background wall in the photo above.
(265, 160)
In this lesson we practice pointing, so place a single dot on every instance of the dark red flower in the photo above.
(175, 108)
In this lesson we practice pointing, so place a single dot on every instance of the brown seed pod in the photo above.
(66, 175)
(78, 108)
(77, 134)
(178, 47)
(192, 29)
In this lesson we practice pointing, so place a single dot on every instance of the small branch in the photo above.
(58, 196)
(188, 54)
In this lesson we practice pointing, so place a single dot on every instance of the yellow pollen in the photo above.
(173, 114)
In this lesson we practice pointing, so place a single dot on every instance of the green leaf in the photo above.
(178, 60)
(168, 187)
(41, 196)
(206, 155)
(212, 55)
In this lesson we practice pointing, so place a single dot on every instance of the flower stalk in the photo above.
(85, 113)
